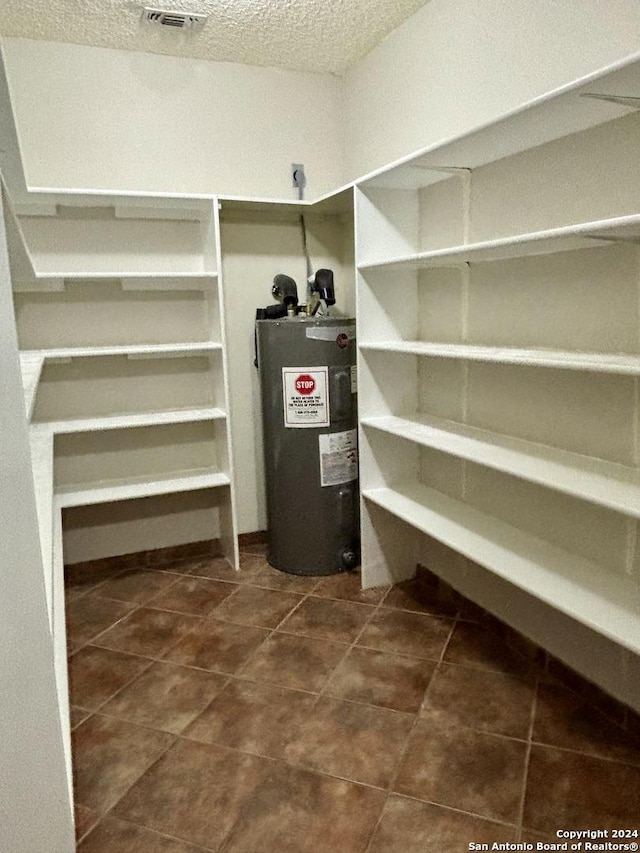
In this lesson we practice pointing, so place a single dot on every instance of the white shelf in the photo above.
(555, 114)
(605, 602)
(45, 283)
(136, 420)
(140, 350)
(109, 491)
(74, 275)
(585, 235)
(190, 205)
(604, 483)
(99, 276)
(115, 241)
(628, 365)
(338, 201)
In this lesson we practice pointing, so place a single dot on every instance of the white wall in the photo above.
(457, 64)
(110, 119)
(35, 813)
(107, 119)
(126, 527)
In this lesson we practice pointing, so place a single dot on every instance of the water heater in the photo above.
(309, 407)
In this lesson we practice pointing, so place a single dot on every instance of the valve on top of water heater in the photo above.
(285, 291)
(321, 293)
(320, 296)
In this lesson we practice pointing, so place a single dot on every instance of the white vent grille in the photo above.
(178, 20)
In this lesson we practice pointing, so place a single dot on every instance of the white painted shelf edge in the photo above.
(189, 348)
(583, 235)
(605, 602)
(116, 275)
(31, 364)
(49, 193)
(59, 636)
(143, 419)
(562, 359)
(108, 491)
(596, 480)
(41, 445)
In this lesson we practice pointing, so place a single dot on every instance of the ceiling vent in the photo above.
(177, 20)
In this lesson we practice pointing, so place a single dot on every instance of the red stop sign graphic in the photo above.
(305, 384)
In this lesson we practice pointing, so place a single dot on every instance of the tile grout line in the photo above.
(116, 574)
(136, 607)
(525, 776)
(271, 631)
(128, 601)
(103, 631)
(135, 782)
(146, 605)
(372, 615)
(394, 778)
(150, 829)
(151, 662)
(476, 815)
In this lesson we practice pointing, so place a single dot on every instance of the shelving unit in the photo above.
(119, 313)
(499, 356)
(566, 582)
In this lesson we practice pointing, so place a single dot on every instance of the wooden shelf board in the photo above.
(598, 481)
(107, 422)
(562, 359)
(605, 602)
(584, 235)
(109, 491)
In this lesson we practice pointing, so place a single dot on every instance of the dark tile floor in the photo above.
(263, 713)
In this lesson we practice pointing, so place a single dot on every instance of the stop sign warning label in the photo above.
(305, 384)
(305, 393)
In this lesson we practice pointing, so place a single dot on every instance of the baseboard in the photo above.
(155, 558)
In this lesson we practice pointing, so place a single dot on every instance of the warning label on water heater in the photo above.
(306, 396)
(338, 457)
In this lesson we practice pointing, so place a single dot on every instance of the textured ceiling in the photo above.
(311, 35)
